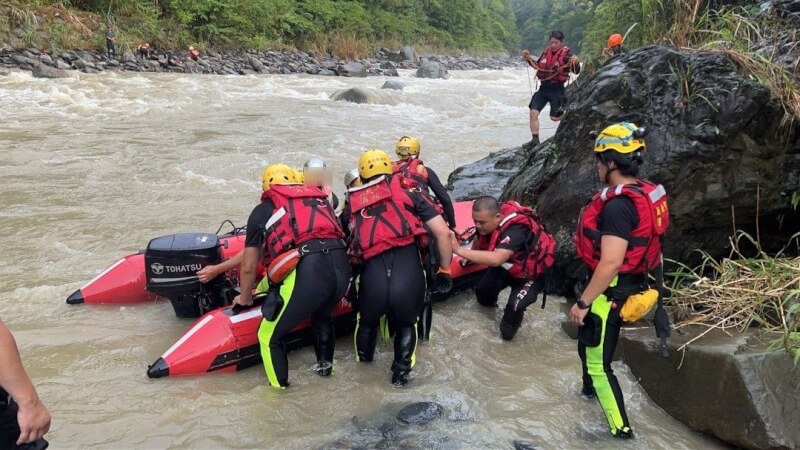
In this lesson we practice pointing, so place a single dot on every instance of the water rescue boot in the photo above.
(405, 342)
(510, 323)
(532, 143)
(366, 340)
(324, 339)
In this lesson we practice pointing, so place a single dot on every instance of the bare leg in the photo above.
(534, 122)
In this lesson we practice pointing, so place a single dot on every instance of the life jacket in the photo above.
(540, 249)
(483, 242)
(383, 217)
(551, 66)
(409, 169)
(414, 181)
(301, 213)
(644, 246)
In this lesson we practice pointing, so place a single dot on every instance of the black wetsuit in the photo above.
(442, 197)
(523, 292)
(314, 289)
(430, 261)
(393, 284)
(9, 427)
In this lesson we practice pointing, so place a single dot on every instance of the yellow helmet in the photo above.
(277, 174)
(623, 137)
(374, 162)
(298, 174)
(191, 47)
(407, 146)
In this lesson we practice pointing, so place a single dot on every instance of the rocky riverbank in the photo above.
(384, 62)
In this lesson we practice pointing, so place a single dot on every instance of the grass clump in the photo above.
(738, 293)
(738, 32)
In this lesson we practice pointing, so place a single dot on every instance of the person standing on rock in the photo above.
(294, 224)
(552, 69)
(614, 46)
(23, 417)
(390, 227)
(193, 53)
(111, 42)
(424, 179)
(144, 50)
(619, 240)
(518, 250)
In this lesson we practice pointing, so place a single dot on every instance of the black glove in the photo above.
(352, 293)
(443, 283)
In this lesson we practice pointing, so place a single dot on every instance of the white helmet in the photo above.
(350, 177)
(315, 172)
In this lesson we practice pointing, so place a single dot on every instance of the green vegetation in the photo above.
(537, 18)
(344, 27)
(739, 293)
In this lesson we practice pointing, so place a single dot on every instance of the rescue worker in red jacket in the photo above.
(390, 226)
(291, 217)
(410, 166)
(518, 251)
(619, 239)
(552, 69)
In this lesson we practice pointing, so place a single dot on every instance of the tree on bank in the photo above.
(323, 25)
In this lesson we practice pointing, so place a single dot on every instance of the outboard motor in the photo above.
(171, 264)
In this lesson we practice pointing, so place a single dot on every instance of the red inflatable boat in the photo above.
(221, 341)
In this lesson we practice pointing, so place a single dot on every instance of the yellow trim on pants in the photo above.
(267, 329)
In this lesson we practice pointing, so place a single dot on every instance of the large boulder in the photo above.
(23, 61)
(487, 176)
(408, 53)
(432, 69)
(727, 386)
(79, 64)
(716, 141)
(257, 65)
(44, 71)
(360, 95)
(353, 69)
(127, 56)
(394, 85)
(61, 64)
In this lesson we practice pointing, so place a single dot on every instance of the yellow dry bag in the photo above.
(638, 305)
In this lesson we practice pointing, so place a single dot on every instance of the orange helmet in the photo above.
(615, 40)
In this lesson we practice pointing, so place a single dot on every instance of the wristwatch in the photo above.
(582, 304)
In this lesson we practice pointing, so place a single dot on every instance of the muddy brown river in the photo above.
(94, 166)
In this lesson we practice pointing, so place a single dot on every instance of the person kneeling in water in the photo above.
(518, 251)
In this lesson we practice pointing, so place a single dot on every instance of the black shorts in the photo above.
(552, 94)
